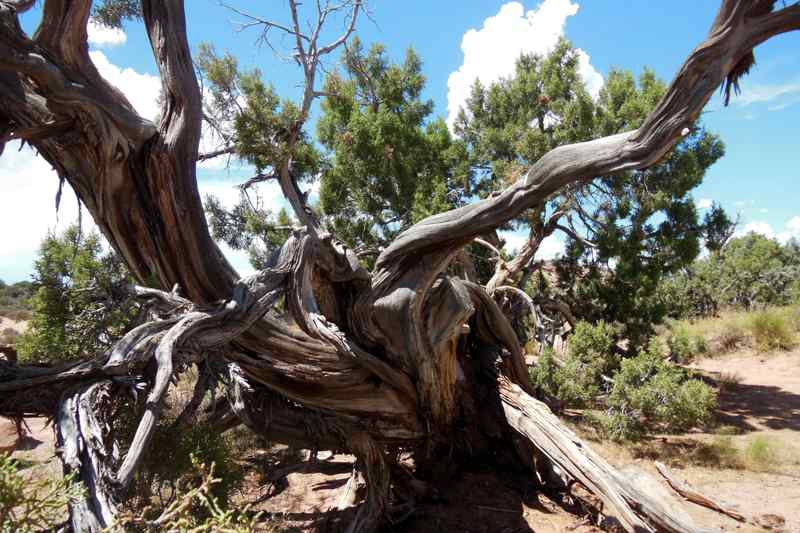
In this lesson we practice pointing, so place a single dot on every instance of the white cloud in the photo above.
(490, 52)
(28, 188)
(792, 230)
(760, 227)
(142, 90)
(758, 93)
(704, 203)
(104, 36)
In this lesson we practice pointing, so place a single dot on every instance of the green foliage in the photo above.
(578, 380)
(170, 463)
(14, 300)
(78, 308)
(196, 508)
(748, 272)
(593, 344)
(267, 133)
(113, 13)
(683, 348)
(389, 165)
(28, 505)
(771, 330)
(643, 223)
(572, 383)
(648, 392)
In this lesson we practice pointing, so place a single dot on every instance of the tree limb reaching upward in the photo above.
(402, 357)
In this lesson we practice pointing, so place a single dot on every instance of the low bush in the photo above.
(577, 380)
(683, 347)
(650, 393)
(760, 452)
(731, 337)
(571, 383)
(28, 505)
(771, 330)
(196, 508)
(168, 466)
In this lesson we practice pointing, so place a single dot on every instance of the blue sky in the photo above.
(457, 41)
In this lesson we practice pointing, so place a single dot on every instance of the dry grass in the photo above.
(776, 328)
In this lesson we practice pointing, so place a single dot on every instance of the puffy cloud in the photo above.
(490, 52)
(792, 230)
(101, 35)
(704, 203)
(28, 188)
(760, 227)
(141, 89)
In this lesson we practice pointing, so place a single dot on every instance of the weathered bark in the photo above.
(402, 357)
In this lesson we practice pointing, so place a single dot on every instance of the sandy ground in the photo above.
(16, 326)
(764, 402)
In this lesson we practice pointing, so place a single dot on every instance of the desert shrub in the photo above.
(576, 381)
(168, 467)
(731, 337)
(32, 505)
(760, 452)
(648, 392)
(683, 347)
(593, 345)
(719, 453)
(196, 508)
(771, 330)
(79, 305)
(572, 383)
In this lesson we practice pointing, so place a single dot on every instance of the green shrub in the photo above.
(168, 465)
(577, 381)
(79, 309)
(760, 452)
(593, 345)
(573, 383)
(683, 347)
(32, 505)
(648, 392)
(196, 508)
(771, 330)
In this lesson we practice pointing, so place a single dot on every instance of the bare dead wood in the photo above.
(695, 496)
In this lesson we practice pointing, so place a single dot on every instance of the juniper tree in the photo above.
(404, 357)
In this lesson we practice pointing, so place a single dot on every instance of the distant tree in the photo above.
(80, 305)
(718, 228)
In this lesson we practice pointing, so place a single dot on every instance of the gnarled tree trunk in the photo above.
(405, 357)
